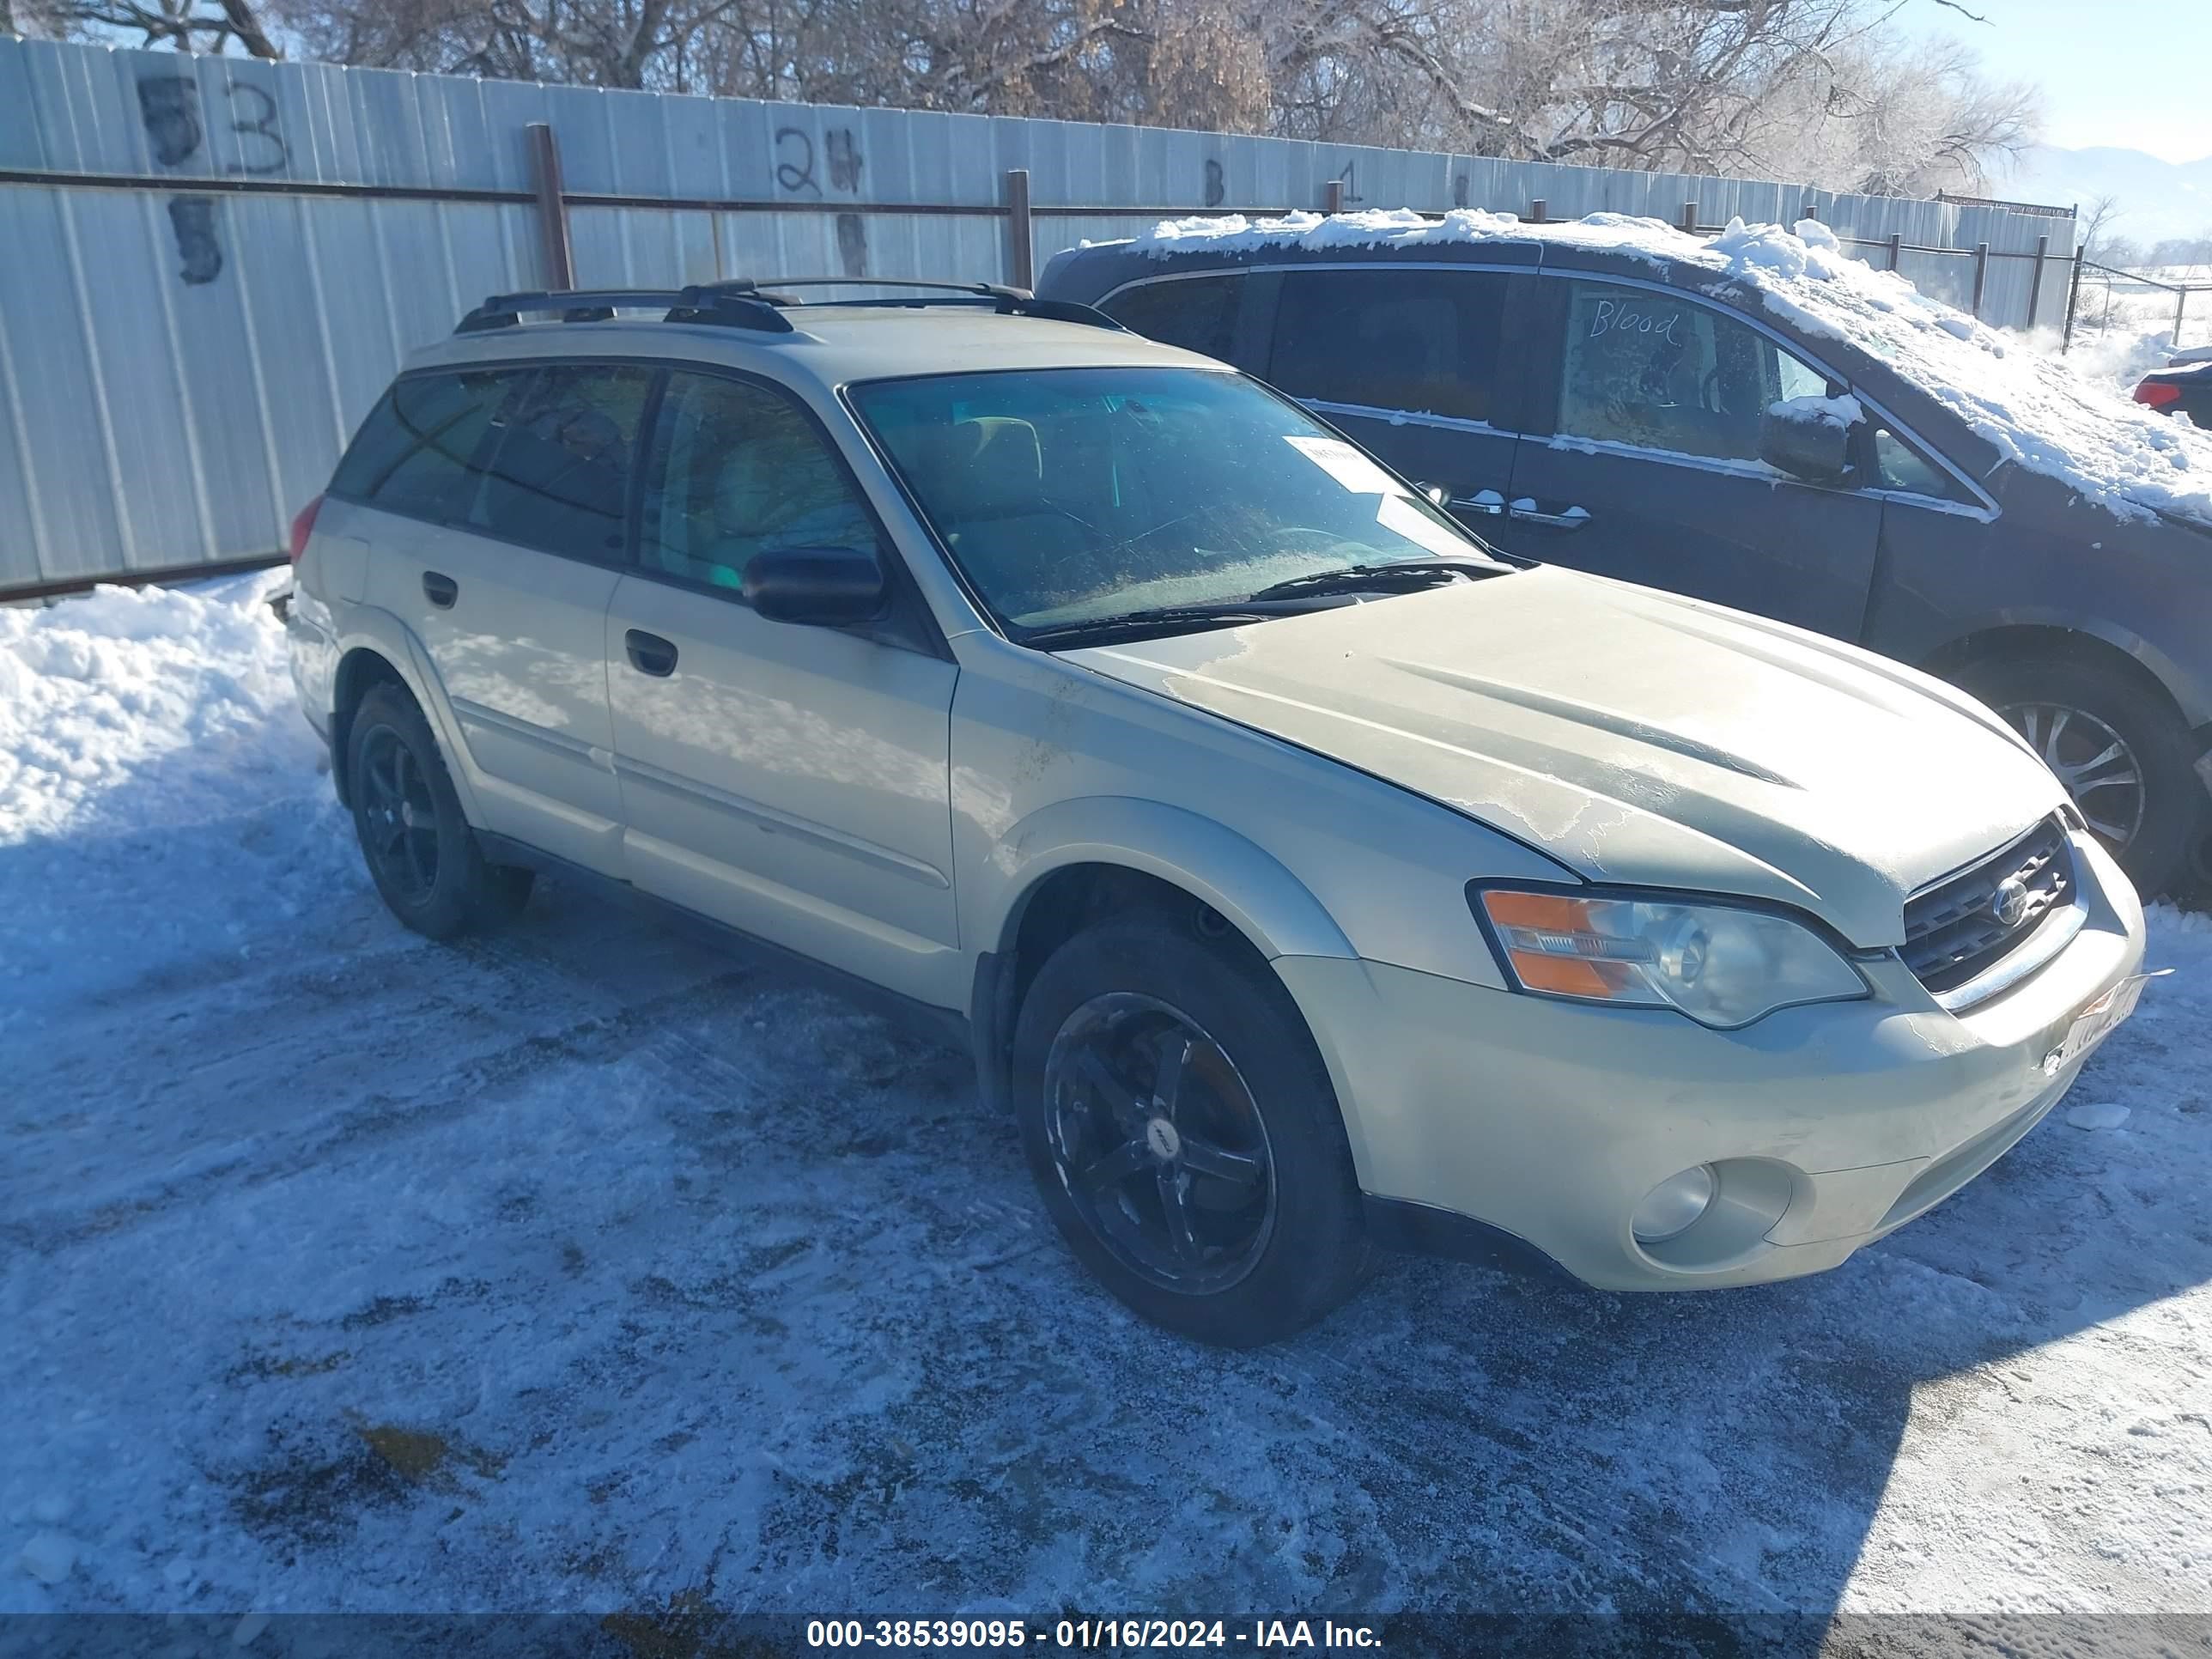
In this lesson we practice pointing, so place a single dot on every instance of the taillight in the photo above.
(2158, 393)
(303, 526)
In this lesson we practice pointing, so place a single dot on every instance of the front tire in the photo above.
(421, 852)
(2122, 753)
(1181, 1127)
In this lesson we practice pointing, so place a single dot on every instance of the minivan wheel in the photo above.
(421, 852)
(2123, 756)
(1181, 1128)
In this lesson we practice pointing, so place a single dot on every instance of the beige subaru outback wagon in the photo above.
(1305, 875)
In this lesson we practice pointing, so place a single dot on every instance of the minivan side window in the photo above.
(736, 470)
(1659, 372)
(1415, 342)
(1199, 314)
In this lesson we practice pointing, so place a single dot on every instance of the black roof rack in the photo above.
(1006, 300)
(739, 302)
(733, 305)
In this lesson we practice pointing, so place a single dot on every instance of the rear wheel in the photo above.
(421, 852)
(2121, 751)
(1182, 1130)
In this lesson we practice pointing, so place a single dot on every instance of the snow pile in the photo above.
(2115, 359)
(160, 796)
(2034, 411)
(94, 689)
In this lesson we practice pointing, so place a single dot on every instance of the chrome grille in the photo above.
(1952, 931)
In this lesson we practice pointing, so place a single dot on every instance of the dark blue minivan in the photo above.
(1607, 410)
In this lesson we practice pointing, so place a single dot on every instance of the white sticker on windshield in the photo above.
(1350, 469)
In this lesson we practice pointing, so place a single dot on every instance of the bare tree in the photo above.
(1820, 90)
(187, 25)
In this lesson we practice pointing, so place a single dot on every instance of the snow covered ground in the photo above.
(585, 1269)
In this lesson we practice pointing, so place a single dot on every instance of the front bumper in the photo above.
(1829, 1125)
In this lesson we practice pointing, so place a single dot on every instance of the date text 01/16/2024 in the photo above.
(1087, 1635)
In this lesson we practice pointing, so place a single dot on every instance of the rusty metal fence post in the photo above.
(1021, 230)
(1332, 197)
(1981, 273)
(2073, 302)
(1896, 250)
(552, 206)
(2035, 282)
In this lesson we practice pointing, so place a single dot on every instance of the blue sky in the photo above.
(2110, 69)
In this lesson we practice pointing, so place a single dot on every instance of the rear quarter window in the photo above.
(1199, 314)
(415, 453)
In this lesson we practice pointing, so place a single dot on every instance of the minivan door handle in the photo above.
(441, 590)
(649, 654)
(1487, 502)
(1526, 511)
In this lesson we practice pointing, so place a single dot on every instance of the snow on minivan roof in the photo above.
(2027, 404)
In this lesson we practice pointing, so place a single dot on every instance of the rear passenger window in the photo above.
(556, 467)
(1199, 314)
(1415, 342)
(738, 470)
(416, 452)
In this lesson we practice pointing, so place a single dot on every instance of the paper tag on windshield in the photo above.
(1345, 463)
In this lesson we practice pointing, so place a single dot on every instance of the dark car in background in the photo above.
(2184, 387)
(1650, 418)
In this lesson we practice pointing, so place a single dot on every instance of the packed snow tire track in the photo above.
(584, 1267)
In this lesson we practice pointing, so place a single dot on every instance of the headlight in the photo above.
(1722, 966)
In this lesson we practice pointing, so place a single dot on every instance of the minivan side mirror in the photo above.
(1805, 446)
(818, 586)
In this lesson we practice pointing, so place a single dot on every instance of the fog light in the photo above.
(1674, 1204)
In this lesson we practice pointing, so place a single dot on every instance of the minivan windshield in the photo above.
(1071, 496)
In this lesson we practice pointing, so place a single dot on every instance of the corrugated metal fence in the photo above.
(209, 267)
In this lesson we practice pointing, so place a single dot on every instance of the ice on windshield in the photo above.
(1067, 494)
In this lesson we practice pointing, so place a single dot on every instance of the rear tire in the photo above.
(2103, 704)
(421, 852)
(1181, 1127)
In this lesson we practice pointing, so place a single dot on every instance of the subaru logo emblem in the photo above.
(2009, 903)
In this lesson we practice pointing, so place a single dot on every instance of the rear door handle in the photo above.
(649, 654)
(441, 590)
(1526, 511)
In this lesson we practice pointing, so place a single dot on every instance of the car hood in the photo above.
(1633, 736)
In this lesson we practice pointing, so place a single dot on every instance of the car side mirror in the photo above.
(817, 587)
(1805, 445)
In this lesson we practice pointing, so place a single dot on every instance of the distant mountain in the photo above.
(2156, 199)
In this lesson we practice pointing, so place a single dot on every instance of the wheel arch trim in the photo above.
(381, 634)
(2189, 693)
(1250, 888)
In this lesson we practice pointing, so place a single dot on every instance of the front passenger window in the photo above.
(1646, 368)
(737, 471)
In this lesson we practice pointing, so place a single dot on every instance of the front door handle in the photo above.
(649, 654)
(1526, 511)
(439, 589)
(1487, 502)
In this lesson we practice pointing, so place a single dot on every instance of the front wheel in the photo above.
(2122, 753)
(1181, 1128)
(421, 852)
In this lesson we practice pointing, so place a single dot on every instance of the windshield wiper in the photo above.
(1401, 576)
(1132, 624)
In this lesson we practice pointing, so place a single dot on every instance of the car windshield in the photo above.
(1069, 496)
